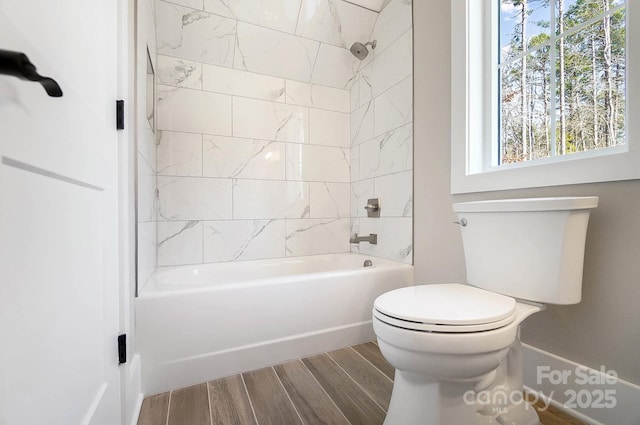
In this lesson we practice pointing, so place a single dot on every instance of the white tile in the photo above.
(395, 192)
(355, 162)
(317, 163)
(152, 5)
(242, 83)
(334, 67)
(280, 15)
(147, 252)
(274, 53)
(193, 198)
(329, 128)
(146, 109)
(147, 203)
(243, 240)
(179, 242)
(193, 111)
(257, 119)
(354, 93)
(179, 72)
(391, 66)
(387, 154)
(193, 34)
(317, 236)
(361, 90)
(265, 199)
(194, 4)
(313, 95)
(147, 146)
(394, 107)
(243, 158)
(392, 22)
(146, 163)
(361, 192)
(395, 237)
(335, 22)
(179, 154)
(330, 200)
(362, 123)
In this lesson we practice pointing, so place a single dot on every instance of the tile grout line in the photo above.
(180, 58)
(273, 180)
(288, 396)
(236, 42)
(246, 390)
(202, 221)
(209, 404)
(170, 86)
(359, 386)
(295, 29)
(169, 407)
(262, 139)
(324, 391)
(374, 366)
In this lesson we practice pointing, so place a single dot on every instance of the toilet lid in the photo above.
(445, 308)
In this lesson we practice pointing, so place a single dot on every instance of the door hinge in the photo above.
(119, 114)
(122, 348)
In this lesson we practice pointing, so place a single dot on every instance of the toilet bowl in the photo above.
(449, 343)
(436, 367)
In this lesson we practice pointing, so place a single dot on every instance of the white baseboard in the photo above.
(588, 394)
(136, 410)
(133, 390)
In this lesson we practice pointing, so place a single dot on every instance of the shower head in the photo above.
(360, 50)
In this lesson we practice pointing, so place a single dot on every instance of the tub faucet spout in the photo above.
(372, 238)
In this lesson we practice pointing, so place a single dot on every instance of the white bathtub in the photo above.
(197, 323)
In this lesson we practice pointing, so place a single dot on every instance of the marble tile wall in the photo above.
(254, 113)
(268, 126)
(382, 137)
(300, 40)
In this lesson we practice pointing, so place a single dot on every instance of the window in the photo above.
(543, 92)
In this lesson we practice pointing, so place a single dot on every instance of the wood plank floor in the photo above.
(351, 386)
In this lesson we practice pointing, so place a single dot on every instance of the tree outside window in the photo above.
(562, 77)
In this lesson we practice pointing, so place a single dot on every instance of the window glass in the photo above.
(562, 77)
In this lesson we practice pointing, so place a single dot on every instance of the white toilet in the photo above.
(456, 348)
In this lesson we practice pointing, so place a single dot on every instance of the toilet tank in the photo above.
(532, 249)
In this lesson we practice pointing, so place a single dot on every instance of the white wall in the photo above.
(604, 328)
(438, 244)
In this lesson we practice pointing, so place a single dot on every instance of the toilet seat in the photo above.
(445, 308)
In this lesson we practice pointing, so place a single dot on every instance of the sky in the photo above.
(510, 17)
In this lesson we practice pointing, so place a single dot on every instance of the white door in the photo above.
(58, 217)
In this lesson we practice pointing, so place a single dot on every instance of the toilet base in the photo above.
(493, 399)
(415, 401)
(520, 415)
(502, 402)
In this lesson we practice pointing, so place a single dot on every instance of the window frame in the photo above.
(474, 103)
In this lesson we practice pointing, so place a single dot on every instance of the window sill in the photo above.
(579, 168)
